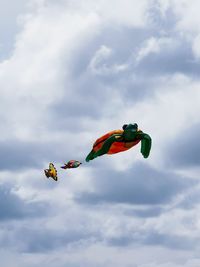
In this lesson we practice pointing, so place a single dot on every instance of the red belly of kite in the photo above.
(117, 147)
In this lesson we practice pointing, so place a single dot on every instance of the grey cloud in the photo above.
(140, 185)
(122, 41)
(145, 212)
(176, 58)
(171, 241)
(191, 200)
(92, 93)
(9, 13)
(16, 155)
(34, 236)
(87, 100)
(13, 207)
(153, 238)
(179, 59)
(43, 240)
(184, 151)
(122, 241)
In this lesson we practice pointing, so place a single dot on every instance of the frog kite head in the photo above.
(130, 131)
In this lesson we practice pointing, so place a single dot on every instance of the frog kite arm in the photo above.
(145, 145)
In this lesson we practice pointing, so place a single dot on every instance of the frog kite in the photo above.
(121, 140)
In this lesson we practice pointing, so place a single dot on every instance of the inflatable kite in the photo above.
(121, 140)
(71, 164)
(51, 172)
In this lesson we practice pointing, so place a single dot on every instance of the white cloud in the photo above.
(32, 79)
(189, 263)
(154, 46)
(129, 13)
(196, 47)
(188, 16)
(99, 66)
(187, 20)
(163, 6)
(9, 24)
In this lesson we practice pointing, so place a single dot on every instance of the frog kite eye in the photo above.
(121, 140)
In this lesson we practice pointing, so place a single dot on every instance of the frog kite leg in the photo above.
(121, 140)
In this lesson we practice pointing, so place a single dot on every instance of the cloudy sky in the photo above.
(71, 71)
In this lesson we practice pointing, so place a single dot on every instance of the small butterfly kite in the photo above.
(51, 172)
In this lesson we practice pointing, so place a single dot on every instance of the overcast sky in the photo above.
(71, 71)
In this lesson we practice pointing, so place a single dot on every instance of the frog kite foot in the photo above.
(90, 156)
